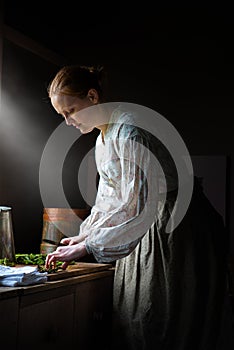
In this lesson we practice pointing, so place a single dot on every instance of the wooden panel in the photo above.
(8, 323)
(47, 325)
(31, 296)
(93, 310)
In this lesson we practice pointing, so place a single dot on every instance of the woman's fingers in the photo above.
(70, 240)
(60, 254)
(66, 240)
(65, 265)
(66, 254)
(49, 260)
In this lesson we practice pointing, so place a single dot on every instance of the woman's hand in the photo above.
(66, 254)
(73, 240)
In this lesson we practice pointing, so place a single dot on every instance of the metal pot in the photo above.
(7, 246)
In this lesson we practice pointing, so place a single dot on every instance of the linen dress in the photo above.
(169, 288)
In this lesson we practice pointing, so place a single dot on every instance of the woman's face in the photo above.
(70, 108)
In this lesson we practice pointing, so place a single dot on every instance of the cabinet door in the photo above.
(93, 310)
(46, 324)
(8, 323)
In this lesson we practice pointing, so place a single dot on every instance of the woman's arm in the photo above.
(121, 214)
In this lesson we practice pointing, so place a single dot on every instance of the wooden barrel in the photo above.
(59, 223)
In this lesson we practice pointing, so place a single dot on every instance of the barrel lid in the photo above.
(3, 208)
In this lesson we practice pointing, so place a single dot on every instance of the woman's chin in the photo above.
(86, 130)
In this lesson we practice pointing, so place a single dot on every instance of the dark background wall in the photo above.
(175, 59)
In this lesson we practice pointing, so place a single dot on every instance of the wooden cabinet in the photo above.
(9, 309)
(93, 309)
(46, 320)
(71, 313)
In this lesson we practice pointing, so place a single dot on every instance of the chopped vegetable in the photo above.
(30, 259)
(33, 259)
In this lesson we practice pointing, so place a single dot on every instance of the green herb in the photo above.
(6, 262)
(53, 269)
(33, 259)
(30, 259)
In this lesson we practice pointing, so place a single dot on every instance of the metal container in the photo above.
(59, 223)
(7, 246)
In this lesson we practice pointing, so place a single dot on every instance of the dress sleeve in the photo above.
(118, 219)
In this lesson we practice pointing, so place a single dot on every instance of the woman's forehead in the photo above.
(61, 102)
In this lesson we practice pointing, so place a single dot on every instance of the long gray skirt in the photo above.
(169, 292)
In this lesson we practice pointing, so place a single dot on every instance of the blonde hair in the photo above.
(77, 80)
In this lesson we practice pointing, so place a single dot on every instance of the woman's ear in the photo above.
(93, 96)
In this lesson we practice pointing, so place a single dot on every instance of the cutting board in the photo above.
(77, 269)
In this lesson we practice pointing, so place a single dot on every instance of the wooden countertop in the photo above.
(80, 273)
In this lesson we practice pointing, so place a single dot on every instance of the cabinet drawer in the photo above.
(46, 324)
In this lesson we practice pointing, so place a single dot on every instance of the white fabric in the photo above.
(21, 276)
(115, 225)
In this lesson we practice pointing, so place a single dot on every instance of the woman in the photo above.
(169, 287)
